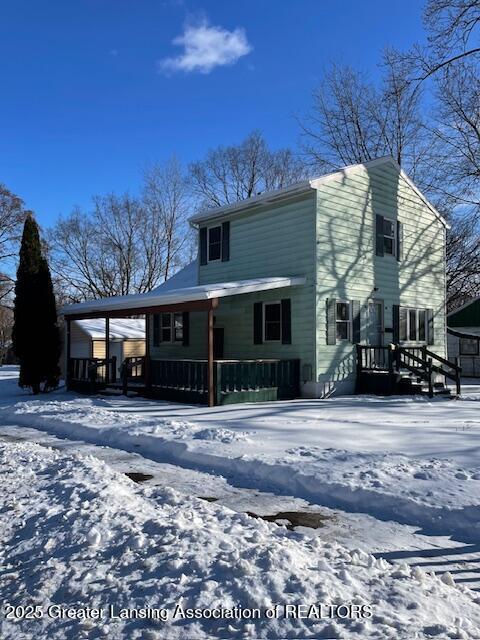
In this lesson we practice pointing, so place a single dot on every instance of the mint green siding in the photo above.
(270, 241)
(327, 236)
(347, 267)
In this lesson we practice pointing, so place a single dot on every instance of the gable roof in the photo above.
(269, 197)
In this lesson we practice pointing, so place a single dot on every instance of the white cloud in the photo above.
(207, 47)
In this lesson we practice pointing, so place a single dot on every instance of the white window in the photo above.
(214, 243)
(344, 321)
(166, 327)
(272, 322)
(413, 325)
(171, 327)
(389, 237)
(178, 327)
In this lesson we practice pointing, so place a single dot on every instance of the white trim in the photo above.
(184, 294)
(303, 187)
(349, 322)
(408, 341)
(394, 237)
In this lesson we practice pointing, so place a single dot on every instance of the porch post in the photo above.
(68, 351)
(211, 387)
(107, 349)
(147, 352)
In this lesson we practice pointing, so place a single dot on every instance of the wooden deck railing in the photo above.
(92, 372)
(418, 360)
(230, 377)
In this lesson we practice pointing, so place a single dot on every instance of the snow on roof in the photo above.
(163, 294)
(120, 328)
(305, 186)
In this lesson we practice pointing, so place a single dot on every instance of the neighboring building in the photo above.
(464, 337)
(127, 339)
(289, 282)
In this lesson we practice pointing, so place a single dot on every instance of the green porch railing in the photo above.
(187, 380)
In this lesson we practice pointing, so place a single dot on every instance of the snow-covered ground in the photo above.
(370, 471)
(410, 460)
(77, 534)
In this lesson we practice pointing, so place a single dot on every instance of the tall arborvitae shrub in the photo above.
(36, 338)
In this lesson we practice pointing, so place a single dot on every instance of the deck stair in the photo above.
(395, 369)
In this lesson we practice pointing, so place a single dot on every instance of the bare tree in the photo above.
(165, 195)
(453, 35)
(12, 215)
(230, 174)
(124, 245)
(6, 325)
(352, 120)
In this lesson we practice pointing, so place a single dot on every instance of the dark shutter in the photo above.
(331, 321)
(257, 323)
(355, 321)
(431, 327)
(399, 241)
(379, 235)
(203, 245)
(286, 322)
(396, 323)
(156, 329)
(186, 328)
(225, 241)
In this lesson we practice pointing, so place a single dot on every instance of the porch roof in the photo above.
(163, 296)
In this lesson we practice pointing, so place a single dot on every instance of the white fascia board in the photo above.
(189, 294)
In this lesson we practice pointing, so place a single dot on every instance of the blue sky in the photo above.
(93, 90)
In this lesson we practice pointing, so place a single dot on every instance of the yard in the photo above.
(353, 500)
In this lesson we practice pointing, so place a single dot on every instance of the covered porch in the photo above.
(211, 380)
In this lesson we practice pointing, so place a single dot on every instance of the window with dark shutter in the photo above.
(225, 241)
(286, 321)
(203, 245)
(331, 321)
(397, 330)
(258, 323)
(156, 329)
(272, 321)
(214, 243)
(355, 304)
(399, 241)
(431, 326)
(186, 328)
(379, 235)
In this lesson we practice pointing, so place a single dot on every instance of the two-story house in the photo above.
(327, 286)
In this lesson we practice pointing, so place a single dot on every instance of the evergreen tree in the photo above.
(36, 338)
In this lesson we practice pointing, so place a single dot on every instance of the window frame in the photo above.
(348, 322)
(393, 237)
(170, 327)
(264, 321)
(220, 242)
(408, 339)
